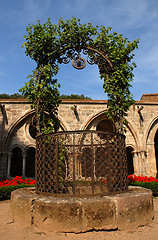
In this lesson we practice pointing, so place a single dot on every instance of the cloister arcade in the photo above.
(17, 134)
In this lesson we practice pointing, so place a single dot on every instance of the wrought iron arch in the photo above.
(70, 40)
(95, 54)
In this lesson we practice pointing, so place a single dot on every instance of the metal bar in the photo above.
(93, 159)
(80, 131)
(87, 148)
(120, 142)
(74, 185)
(44, 160)
(109, 180)
(124, 167)
(36, 162)
(56, 164)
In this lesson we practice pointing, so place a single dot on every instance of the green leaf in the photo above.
(46, 43)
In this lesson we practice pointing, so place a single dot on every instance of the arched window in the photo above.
(16, 162)
(156, 148)
(130, 160)
(30, 162)
(32, 131)
(105, 125)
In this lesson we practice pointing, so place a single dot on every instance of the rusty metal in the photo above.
(81, 163)
(95, 55)
(79, 62)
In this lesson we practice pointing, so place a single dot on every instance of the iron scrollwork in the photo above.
(94, 57)
(65, 60)
(79, 62)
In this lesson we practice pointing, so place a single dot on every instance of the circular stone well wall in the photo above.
(123, 211)
(81, 185)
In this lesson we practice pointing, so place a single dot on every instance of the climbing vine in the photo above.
(53, 44)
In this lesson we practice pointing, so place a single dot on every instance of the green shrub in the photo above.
(5, 192)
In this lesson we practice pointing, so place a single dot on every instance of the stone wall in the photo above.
(16, 117)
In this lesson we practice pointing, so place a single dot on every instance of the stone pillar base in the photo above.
(124, 211)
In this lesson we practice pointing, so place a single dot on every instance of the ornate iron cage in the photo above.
(81, 163)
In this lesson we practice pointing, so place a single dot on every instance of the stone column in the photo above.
(136, 162)
(147, 163)
(4, 164)
(143, 160)
(24, 165)
(9, 165)
(151, 157)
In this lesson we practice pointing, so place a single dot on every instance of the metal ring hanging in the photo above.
(79, 62)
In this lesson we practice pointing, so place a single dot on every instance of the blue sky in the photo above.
(132, 18)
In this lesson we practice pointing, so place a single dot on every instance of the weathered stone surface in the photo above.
(134, 209)
(58, 214)
(99, 213)
(75, 214)
(22, 206)
(87, 189)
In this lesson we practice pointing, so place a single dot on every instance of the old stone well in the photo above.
(81, 185)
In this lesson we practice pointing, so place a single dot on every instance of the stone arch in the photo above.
(132, 141)
(8, 145)
(27, 161)
(13, 127)
(62, 124)
(134, 154)
(132, 146)
(17, 145)
(151, 131)
(150, 146)
(135, 144)
(97, 117)
(100, 116)
(130, 165)
(29, 146)
(16, 164)
(17, 123)
(106, 125)
(30, 162)
(10, 156)
(156, 148)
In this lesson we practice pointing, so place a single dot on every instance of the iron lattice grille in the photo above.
(81, 162)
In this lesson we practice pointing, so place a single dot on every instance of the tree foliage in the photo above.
(63, 96)
(74, 96)
(52, 44)
(11, 96)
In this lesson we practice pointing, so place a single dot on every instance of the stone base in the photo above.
(124, 211)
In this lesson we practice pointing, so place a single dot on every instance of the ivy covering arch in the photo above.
(52, 44)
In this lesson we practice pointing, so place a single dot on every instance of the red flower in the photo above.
(17, 181)
(141, 178)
